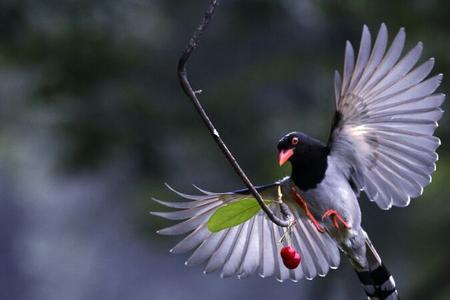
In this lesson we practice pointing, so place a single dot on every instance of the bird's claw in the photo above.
(318, 226)
(336, 218)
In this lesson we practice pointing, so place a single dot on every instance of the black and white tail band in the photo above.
(378, 284)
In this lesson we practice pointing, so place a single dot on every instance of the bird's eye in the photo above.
(294, 141)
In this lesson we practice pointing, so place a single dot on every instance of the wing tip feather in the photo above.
(208, 193)
(348, 45)
(164, 203)
(156, 213)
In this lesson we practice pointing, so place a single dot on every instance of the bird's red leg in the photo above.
(302, 203)
(336, 218)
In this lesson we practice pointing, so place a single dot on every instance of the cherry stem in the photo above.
(287, 234)
(185, 84)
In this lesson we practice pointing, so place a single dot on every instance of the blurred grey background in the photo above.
(93, 122)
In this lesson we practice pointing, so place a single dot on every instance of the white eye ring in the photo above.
(294, 141)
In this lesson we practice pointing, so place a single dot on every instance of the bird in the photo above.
(381, 143)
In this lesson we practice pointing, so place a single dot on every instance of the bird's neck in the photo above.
(308, 170)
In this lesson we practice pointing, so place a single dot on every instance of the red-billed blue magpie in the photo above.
(381, 143)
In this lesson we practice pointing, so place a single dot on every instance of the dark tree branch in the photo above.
(182, 75)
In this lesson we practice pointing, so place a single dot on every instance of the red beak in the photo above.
(284, 155)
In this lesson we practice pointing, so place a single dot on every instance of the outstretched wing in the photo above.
(251, 246)
(386, 115)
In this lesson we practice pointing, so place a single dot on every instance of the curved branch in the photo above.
(182, 76)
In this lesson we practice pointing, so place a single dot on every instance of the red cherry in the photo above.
(293, 262)
(287, 252)
(290, 256)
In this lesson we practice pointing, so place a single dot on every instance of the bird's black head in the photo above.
(308, 158)
(294, 145)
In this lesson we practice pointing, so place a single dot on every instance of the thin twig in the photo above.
(182, 75)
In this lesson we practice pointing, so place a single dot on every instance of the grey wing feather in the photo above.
(251, 246)
(387, 112)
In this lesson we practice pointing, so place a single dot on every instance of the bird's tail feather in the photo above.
(378, 284)
(377, 281)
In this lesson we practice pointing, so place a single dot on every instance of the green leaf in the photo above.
(233, 214)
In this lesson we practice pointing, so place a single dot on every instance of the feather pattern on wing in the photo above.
(385, 119)
(253, 245)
